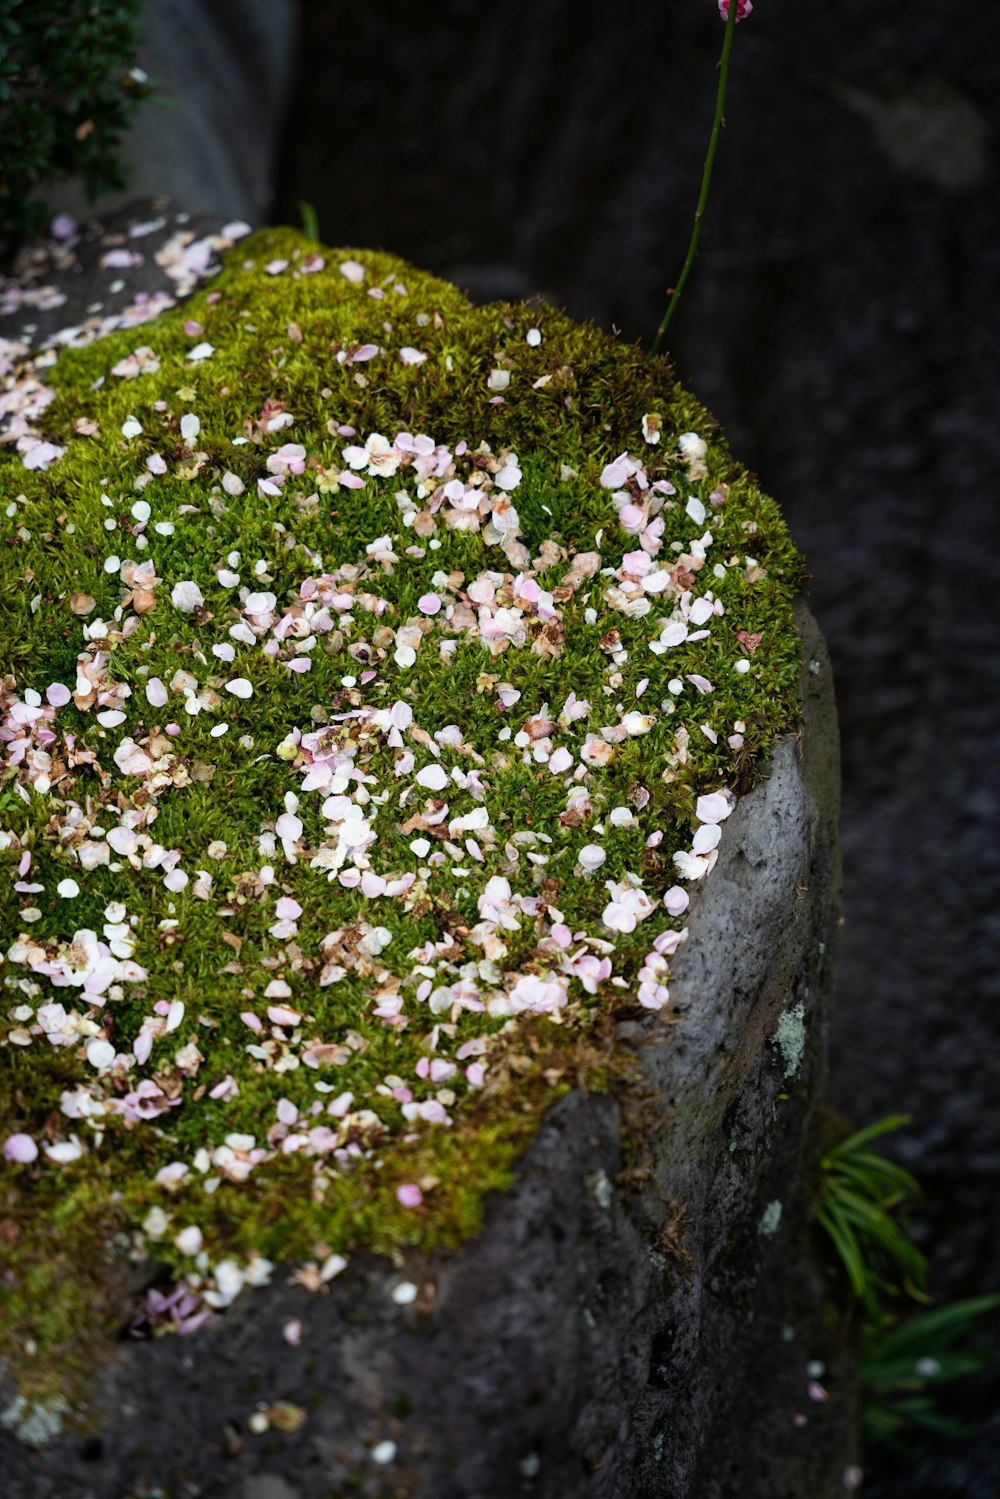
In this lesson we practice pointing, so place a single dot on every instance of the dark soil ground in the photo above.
(842, 324)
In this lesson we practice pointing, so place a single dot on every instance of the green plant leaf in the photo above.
(870, 1132)
(929, 1333)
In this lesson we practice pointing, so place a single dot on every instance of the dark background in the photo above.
(842, 324)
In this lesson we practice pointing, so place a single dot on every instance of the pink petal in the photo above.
(712, 808)
(20, 1148)
(283, 1015)
(676, 900)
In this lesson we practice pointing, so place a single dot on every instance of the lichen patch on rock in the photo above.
(378, 675)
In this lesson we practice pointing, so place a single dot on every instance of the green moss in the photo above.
(575, 401)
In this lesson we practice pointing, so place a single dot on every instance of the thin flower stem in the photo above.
(706, 178)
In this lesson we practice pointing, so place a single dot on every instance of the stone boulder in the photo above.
(513, 1184)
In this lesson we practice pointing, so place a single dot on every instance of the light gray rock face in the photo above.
(611, 1334)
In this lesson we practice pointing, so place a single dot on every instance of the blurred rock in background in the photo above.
(222, 71)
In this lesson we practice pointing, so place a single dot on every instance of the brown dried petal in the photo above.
(143, 600)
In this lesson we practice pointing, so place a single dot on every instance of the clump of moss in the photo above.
(376, 667)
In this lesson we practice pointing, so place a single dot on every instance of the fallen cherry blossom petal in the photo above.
(676, 900)
(715, 807)
(20, 1148)
(186, 596)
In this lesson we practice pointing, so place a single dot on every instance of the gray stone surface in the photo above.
(606, 1336)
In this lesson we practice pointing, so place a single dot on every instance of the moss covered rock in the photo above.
(379, 673)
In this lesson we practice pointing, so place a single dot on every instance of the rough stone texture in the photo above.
(594, 1340)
